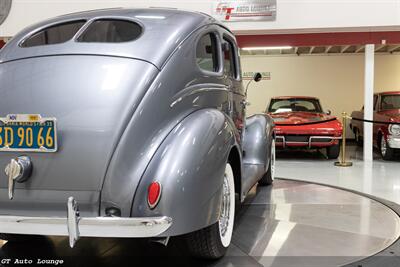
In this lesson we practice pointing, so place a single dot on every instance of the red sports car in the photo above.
(301, 123)
(386, 136)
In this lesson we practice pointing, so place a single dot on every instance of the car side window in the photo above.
(207, 53)
(375, 102)
(110, 31)
(55, 34)
(230, 67)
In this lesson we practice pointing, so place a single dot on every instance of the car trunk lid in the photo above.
(92, 98)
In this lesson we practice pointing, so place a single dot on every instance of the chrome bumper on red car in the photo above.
(281, 141)
(75, 226)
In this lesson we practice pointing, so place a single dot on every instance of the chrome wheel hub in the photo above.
(225, 207)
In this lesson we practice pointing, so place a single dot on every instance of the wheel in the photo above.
(213, 241)
(386, 151)
(333, 151)
(269, 176)
(358, 137)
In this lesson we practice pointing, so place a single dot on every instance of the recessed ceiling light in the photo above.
(267, 48)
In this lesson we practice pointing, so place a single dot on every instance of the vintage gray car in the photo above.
(137, 116)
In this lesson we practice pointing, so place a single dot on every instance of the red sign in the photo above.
(244, 10)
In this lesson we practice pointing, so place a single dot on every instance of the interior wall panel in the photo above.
(337, 80)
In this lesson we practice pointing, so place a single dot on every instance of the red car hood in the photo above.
(299, 117)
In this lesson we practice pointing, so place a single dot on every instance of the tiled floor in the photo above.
(289, 224)
(380, 178)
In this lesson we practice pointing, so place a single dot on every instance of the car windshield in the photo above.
(294, 104)
(390, 102)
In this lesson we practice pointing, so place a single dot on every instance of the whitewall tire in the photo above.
(213, 241)
(227, 214)
(387, 152)
(269, 175)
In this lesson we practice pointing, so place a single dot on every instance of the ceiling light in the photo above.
(267, 48)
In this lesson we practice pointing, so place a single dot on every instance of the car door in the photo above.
(232, 76)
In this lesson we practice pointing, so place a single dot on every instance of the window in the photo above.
(111, 31)
(54, 35)
(229, 65)
(290, 105)
(390, 102)
(206, 53)
(230, 59)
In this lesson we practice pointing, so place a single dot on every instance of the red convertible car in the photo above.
(301, 123)
(386, 136)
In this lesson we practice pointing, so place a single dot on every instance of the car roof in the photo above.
(388, 93)
(294, 97)
(163, 30)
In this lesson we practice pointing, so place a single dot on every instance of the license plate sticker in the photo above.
(28, 132)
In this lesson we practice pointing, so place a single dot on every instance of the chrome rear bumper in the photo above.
(75, 226)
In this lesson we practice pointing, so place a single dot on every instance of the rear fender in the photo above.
(190, 166)
(257, 138)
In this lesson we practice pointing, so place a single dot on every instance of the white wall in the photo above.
(293, 15)
(336, 80)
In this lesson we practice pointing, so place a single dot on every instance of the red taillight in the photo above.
(153, 194)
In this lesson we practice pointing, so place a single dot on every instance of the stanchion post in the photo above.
(342, 162)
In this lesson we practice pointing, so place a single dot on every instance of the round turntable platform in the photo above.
(289, 224)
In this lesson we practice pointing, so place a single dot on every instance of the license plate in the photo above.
(28, 132)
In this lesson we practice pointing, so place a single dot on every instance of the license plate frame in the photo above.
(29, 118)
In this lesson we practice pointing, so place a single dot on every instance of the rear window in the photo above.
(110, 31)
(55, 34)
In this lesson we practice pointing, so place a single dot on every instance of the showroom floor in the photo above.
(289, 224)
(380, 178)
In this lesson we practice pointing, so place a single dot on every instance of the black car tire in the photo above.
(357, 137)
(205, 243)
(269, 176)
(388, 153)
(212, 242)
(333, 152)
